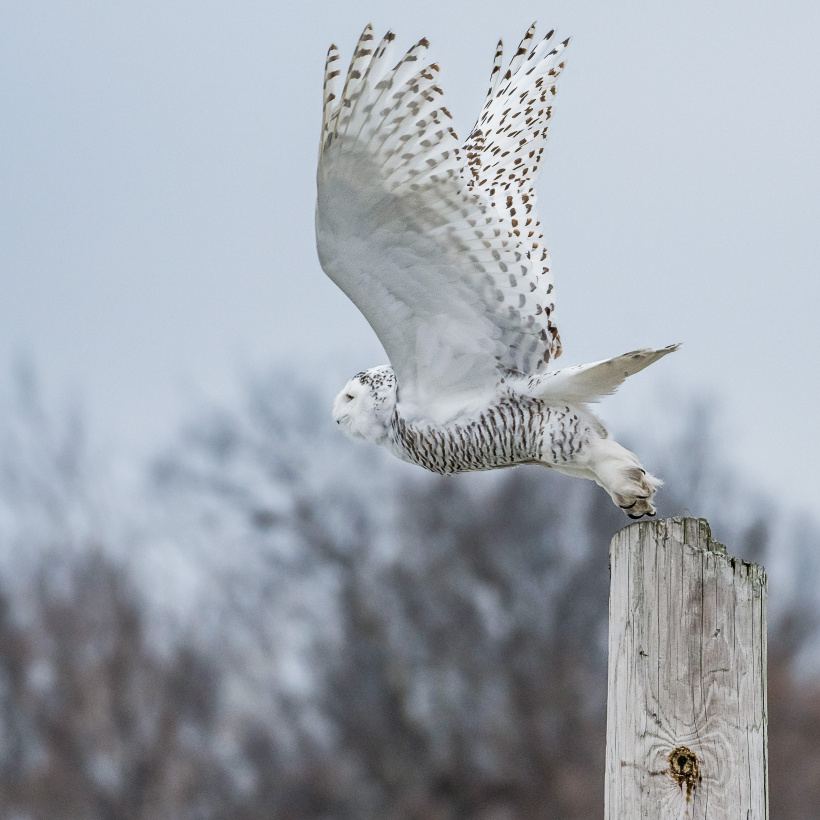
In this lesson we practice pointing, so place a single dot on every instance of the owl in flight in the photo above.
(438, 243)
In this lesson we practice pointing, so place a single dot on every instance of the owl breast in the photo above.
(516, 430)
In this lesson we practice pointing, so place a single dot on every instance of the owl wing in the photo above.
(504, 154)
(401, 229)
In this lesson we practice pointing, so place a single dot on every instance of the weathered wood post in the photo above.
(686, 709)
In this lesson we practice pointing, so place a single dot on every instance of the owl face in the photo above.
(365, 406)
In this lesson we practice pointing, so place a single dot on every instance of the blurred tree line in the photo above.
(282, 625)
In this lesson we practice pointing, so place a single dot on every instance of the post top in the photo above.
(691, 532)
(695, 532)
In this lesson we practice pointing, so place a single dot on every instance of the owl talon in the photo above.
(619, 473)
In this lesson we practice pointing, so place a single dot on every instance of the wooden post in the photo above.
(686, 708)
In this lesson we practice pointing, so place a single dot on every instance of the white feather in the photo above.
(588, 382)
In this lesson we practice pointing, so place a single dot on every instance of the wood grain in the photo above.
(687, 676)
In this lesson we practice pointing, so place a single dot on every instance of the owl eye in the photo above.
(348, 397)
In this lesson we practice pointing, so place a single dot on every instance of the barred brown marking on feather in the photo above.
(497, 439)
(483, 440)
(510, 429)
(495, 427)
(462, 436)
(553, 449)
(522, 419)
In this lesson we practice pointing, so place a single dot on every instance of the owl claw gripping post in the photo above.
(439, 245)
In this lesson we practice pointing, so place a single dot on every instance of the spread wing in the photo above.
(505, 148)
(403, 230)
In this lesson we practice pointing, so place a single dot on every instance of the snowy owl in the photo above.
(440, 247)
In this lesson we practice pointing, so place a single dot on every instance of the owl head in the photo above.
(365, 406)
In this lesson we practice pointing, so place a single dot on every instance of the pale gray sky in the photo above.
(157, 186)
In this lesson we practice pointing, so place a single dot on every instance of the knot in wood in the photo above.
(684, 768)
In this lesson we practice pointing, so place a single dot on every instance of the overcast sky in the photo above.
(157, 165)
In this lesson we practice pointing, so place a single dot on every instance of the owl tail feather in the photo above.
(590, 382)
